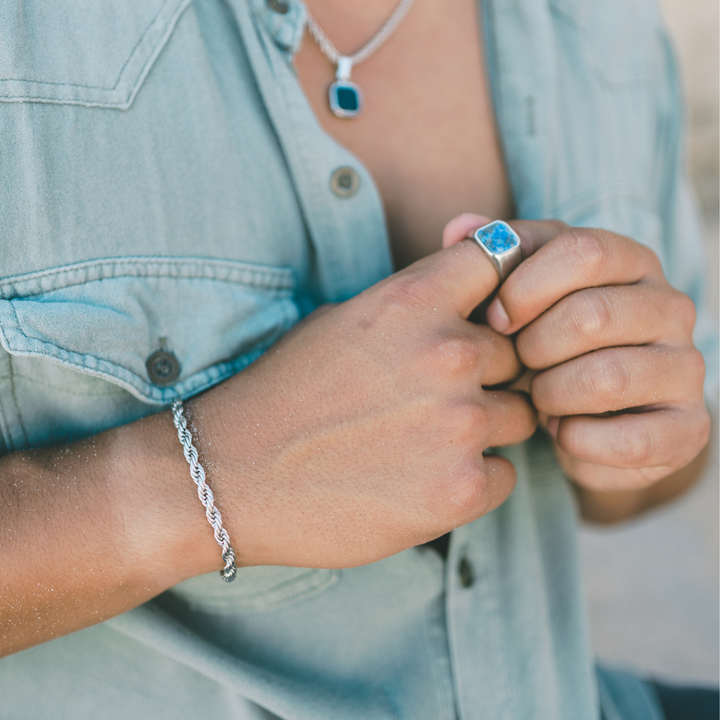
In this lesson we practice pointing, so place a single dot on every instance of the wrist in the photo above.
(162, 521)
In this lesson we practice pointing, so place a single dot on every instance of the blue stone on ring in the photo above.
(501, 245)
(498, 237)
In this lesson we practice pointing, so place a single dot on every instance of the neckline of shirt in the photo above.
(284, 20)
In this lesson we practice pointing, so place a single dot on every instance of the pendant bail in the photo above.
(344, 68)
(346, 98)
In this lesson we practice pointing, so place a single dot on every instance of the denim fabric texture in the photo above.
(165, 185)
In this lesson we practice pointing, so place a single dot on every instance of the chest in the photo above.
(427, 133)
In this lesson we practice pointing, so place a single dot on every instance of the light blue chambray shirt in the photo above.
(164, 184)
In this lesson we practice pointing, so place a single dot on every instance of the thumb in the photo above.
(461, 227)
(462, 273)
(456, 279)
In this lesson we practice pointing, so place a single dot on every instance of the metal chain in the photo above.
(204, 492)
(331, 52)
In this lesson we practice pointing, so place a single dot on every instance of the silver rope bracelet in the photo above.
(204, 492)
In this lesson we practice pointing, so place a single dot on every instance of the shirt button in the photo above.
(163, 367)
(279, 6)
(466, 574)
(344, 182)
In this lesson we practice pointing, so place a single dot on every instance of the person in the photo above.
(184, 217)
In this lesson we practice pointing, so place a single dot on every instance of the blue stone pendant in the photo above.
(346, 98)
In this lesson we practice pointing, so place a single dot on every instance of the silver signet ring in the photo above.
(501, 244)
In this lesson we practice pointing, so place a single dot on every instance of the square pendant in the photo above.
(346, 99)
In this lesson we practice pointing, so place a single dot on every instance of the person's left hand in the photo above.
(618, 383)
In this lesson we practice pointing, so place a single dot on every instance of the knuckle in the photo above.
(609, 376)
(465, 425)
(455, 355)
(704, 427)
(591, 315)
(650, 257)
(464, 490)
(410, 290)
(638, 446)
(473, 421)
(694, 366)
(685, 310)
(521, 414)
(462, 484)
(473, 491)
(587, 249)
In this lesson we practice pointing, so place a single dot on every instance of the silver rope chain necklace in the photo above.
(346, 98)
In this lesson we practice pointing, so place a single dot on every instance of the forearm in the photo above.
(92, 529)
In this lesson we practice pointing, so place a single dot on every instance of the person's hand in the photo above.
(362, 432)
(619, 383)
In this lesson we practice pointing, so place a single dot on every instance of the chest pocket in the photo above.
(82, 52)
(109, 318)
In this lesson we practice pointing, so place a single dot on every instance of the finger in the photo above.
(577, 258)
(475, 356)
(498, 360)
(606, 317)
(457, 279)
(668, 438)
(500, 479)
(497, 482)
(532, 233)
(524, 382)
(463, 274)
(461, 227)
(618, 378)
(511, 417)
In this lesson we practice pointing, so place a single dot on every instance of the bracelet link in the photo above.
(197, 473)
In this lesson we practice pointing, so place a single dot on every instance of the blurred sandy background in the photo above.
(653, 583)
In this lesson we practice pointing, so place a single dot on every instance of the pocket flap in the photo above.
(107, 317)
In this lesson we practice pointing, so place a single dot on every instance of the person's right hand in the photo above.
(362, 432)
(358, 435)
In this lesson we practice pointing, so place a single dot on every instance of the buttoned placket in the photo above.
(340, 200)
(342, 208)
(345, 223)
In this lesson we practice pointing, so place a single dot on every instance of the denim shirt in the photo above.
(164, 185)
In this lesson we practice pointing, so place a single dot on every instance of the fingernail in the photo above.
(497, 317)
(553, 423)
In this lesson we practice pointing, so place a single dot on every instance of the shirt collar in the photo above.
(285, 27)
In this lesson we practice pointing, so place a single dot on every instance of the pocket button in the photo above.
(279, 6)
(344, 182)
(163, 367)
